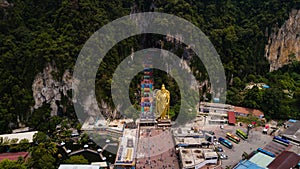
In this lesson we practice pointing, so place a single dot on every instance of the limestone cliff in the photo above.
(284, 43)
(47, 89)
(5, 4)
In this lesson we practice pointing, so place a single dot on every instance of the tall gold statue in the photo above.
(163, 103)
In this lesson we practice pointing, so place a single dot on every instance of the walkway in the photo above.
(83, 150)
(110, 144)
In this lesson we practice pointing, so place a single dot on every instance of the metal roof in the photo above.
(261, 159)
(293, 132)
(247, 111)
(13, 156)
(231, 118)
(247, 165)
(293, 128)
(285, 160)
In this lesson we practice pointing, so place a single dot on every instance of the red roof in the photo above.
(13, 156)
(247, 111)
(285, 160)
(231, 117)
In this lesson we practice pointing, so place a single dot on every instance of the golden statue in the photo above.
(163, 103)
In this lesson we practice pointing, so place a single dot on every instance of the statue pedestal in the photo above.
(164, 120)
(163, 123)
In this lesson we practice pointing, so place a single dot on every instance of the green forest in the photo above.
(36, 32)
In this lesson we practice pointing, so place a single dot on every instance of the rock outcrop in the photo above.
(5, 4)
(47, 89)
(284, 43)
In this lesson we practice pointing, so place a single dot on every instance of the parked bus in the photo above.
(266, 152)
(233, 138)
(241, 134)
(281, 141)
(225, 142)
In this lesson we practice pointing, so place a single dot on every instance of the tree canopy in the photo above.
(34, 33)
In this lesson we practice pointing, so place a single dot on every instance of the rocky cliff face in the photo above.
(47, 89)
(5, 4)
(284, 43)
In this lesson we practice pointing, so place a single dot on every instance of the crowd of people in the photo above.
(156, 150)
(163, 161)
(154, 142)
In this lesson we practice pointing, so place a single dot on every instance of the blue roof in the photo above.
(292, 120)
(216, 100)
(182, 145)
(265, 86)
(247, 165)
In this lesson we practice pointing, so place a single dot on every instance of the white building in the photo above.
(127, 149)
(218, 108)
(195, 158)
(18, 137)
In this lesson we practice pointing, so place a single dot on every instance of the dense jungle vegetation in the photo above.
(34, 32)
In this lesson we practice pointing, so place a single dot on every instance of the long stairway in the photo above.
(147, 112)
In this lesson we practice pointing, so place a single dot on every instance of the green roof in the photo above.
(261, 159)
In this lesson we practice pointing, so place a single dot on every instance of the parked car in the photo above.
(265, 131)
(223, 156)
(216, 143)
(219, 149)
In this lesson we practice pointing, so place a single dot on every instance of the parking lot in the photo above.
(255, 140)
